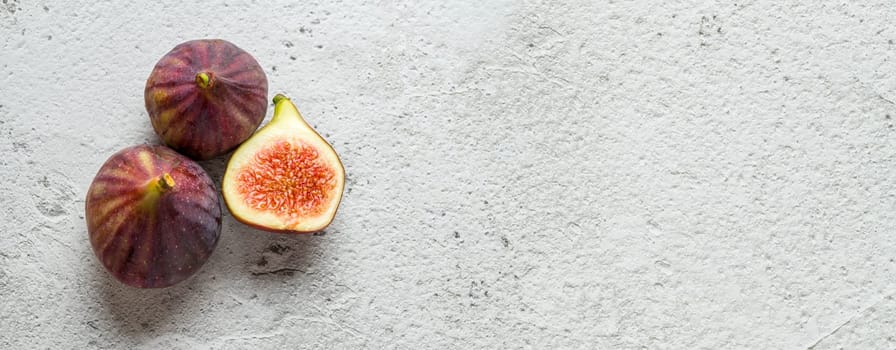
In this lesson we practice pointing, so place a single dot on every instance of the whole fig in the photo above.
(153, 216)
(205, 97)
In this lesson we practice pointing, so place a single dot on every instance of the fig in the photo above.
(286, 177)
(205, 97)
(153, 216)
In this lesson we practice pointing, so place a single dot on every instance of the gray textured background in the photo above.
(557, 174)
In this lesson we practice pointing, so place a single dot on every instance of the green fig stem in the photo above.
(284, 109)
(204, 80)
(280, 97)
(154, 190)
(166, 182)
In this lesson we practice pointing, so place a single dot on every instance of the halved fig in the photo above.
(286, 177)
(153, 216)
(205, 97)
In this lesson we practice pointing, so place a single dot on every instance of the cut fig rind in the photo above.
(287, 126)
(303, 220)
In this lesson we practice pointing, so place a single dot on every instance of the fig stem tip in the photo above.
(166, 182)
(203, 80)
(280, 97)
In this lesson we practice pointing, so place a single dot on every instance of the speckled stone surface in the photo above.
(521, 174)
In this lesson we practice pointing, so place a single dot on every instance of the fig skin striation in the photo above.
(205, 97)
(153, 216)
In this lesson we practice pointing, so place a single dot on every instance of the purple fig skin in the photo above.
(153, 216)
(205, 97)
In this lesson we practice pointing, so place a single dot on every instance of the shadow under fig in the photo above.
(138, 313)
(243, 253)
(286, 256)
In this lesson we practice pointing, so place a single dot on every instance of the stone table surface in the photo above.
(521, 174)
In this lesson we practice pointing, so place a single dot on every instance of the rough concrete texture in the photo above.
(543, 175)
